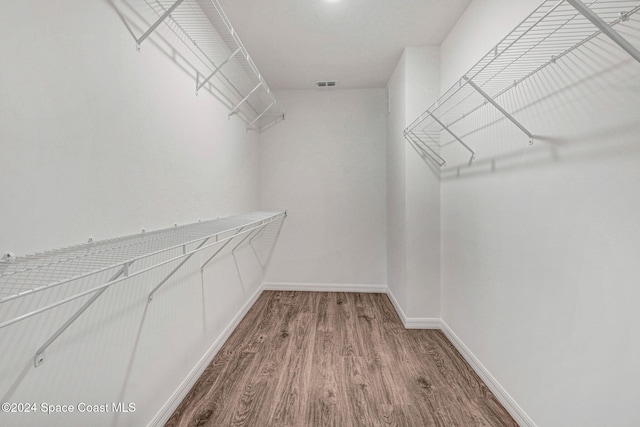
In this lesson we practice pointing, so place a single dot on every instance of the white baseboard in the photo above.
(501, 394)
(174, 401)
(413, 322)
(437, 323)
(323, 287)
(409, 323)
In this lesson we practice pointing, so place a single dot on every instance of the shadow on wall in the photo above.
(116, 349)
(211, 61)
(583, 106)
(136, 23)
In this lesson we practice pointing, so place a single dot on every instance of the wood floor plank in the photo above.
(336, 359)
(289, 393)
(326, 392)
(249, 403)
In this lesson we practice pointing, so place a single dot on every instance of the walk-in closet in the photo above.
(320, 213)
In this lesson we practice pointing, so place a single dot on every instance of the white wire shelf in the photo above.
(57, 277)
(226, 66)
(551, 31)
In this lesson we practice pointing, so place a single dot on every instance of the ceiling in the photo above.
(356, 43)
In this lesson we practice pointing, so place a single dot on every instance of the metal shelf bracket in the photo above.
(254, 248)
(552, 30)
(250, 125)
(498, 107)
(412, 137)
(235, 109)
(85, 264)
(211, 48)
(233, 251)
(39, 357)
(445, 127)
(178, 267)
(215, 71)
(606, 29)
(157, 23)
(219, 250)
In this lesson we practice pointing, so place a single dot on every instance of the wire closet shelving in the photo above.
(551, 31)
(205, 29)
(60, 276)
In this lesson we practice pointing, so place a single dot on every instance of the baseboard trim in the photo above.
(409, 323)
(413, 322)
(174, 401)
(323, 287)
(501, 394)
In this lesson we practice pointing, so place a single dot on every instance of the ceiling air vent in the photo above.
(325, 84)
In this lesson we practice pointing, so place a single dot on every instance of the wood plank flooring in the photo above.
(336, 359)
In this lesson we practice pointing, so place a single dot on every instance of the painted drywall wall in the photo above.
(396, 184)
(423, 192)
(100, 140)
(413, 198)
(325, 164)
(539, 243)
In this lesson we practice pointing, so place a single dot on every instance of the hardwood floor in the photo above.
(336, 359)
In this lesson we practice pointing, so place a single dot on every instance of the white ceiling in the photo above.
(357, 43)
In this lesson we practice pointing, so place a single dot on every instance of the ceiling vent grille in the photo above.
(325, 84)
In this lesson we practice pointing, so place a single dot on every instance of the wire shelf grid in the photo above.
(228, 68)
(36, 273)
(551, 31)
(88, 270)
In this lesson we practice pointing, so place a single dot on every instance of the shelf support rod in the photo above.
(602, 26)
(233, 252)
(498, 107)
(259, 234)
(261, 114)
(271, 123)
(178, 267)
(219, 250)
(118, 280)
(244, 239)
(215, 71)
(411, 137)
(275, 240)
(39, 358)
(233, 111)
(445, 127)
(158, 22)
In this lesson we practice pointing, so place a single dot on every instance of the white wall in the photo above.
(423, 193)
(540, 244)
(413, 195)
(325, 164)
(396, 184)
(100, 140)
